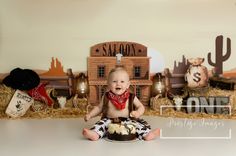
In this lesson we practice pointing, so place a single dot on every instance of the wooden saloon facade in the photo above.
(106, 56)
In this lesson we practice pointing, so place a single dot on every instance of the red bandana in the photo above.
(39, 93)
(118, 101)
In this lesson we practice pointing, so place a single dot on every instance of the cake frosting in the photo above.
(121, 132)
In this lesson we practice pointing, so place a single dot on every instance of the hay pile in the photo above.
(156, 104)
(154, 110)
(5, 96)
(70, 111)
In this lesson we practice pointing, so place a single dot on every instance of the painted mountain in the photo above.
(230, 74)
(56, 69)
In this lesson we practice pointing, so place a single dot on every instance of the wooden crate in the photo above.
(222, 83)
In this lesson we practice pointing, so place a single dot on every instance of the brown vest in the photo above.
(105, 104)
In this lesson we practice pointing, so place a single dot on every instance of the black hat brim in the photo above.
(22, 79)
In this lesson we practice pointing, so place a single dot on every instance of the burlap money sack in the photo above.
(197, 74)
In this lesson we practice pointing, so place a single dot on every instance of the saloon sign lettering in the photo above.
(110, 49)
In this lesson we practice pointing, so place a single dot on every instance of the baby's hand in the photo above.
(87, 117)
(135, 114)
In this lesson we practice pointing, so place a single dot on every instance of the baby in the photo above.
(116, 104)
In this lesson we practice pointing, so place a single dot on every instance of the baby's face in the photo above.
(119, 82)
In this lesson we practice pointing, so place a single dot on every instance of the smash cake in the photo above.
(121, 132)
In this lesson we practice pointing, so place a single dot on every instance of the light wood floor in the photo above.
(62, 137)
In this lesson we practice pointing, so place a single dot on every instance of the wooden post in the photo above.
(167, 75)
(71, 83)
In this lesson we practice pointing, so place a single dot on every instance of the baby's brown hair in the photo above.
(115, 70)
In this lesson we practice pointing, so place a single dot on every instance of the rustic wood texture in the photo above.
(60, 82)
(222, 83)
(174, 82)
(113, 48)
(110, 63)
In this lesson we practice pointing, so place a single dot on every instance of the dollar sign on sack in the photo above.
(197, 77)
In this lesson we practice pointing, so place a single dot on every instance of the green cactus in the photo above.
(219, 57)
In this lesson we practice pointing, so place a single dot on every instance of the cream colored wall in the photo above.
(33, 31)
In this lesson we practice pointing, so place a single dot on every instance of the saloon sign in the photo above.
(110, 49)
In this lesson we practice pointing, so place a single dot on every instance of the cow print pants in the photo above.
(142, 127)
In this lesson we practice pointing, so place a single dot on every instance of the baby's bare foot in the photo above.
(89, 134)
(152, 135)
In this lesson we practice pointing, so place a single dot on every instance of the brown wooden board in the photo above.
(110, 49)
(175, 82)
(222, 83)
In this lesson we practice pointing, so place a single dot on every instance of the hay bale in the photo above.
(156, 102)
(6, 94)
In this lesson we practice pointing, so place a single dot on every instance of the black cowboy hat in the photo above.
(22, 79)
